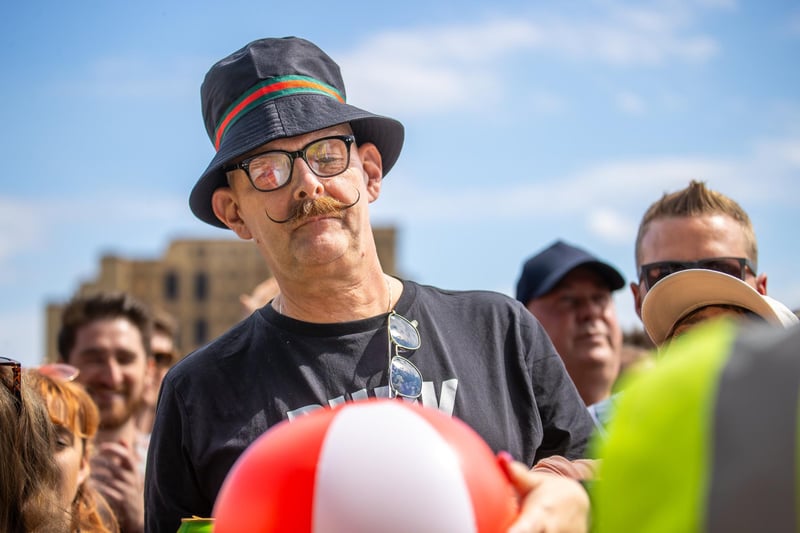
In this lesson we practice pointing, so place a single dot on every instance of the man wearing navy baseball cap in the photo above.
(570, 291)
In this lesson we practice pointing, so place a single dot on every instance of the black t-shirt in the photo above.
(484, 359)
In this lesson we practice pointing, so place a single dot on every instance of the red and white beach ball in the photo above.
(370, 466)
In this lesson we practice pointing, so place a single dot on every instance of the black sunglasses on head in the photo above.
(737, 267)
(15, 387)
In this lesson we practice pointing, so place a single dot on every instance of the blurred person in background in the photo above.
(695, 227)
(76, 419)
(638, 352)
(107, 336)
(163, 355)
(570, 292)
(261, 296)
(682, 300)
(30, 500)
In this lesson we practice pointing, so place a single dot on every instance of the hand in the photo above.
(579, 469)
(549, 503)
(115, 475)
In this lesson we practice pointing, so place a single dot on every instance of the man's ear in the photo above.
(761, 284)
(224, 204)
(636, 290)
(372, 164)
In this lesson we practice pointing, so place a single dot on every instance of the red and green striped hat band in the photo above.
(269, 90)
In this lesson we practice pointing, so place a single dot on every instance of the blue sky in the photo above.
(525, 122)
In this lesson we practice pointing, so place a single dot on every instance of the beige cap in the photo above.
(678, 294)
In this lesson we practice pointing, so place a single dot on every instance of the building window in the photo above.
(171, 286)
(200, 286)
(200, 331)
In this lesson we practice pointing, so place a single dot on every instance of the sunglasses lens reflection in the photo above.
(403, 332)
(404, 378)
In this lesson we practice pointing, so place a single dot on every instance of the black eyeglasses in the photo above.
(16, 381)
(269, 171)
(651, 273)
(405, 378)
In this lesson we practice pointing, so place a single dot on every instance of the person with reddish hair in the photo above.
(76, 419)
(29, 477)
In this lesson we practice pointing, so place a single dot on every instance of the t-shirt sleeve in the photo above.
(171, 490)
(566, 423)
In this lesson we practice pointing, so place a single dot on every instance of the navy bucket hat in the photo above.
(542, 272)
(275, 88)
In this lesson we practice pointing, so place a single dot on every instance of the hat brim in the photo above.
(678, 294)
(289, 117)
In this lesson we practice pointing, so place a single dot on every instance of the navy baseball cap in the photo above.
(542, 272)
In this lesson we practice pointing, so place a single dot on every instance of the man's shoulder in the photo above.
(208, 358)
(476, 296)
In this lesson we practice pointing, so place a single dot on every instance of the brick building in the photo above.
(198, 281)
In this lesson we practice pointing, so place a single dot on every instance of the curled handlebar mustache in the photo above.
(324, 205)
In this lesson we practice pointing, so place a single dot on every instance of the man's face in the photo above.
(317, 241)
(581, 320)
(112, 359)
(163, 356)
(692, 239)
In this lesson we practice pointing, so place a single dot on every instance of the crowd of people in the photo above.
(125, 434)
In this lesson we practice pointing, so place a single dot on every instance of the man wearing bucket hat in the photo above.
(295, 169)
(684, 299)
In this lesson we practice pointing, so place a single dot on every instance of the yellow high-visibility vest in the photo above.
(708, 440)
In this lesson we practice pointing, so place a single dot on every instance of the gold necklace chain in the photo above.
(389, 286)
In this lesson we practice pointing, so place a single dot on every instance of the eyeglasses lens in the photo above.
(325, 157)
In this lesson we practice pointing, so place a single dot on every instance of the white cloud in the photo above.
(546, 102)
(21, 335)
(612, 226)
(793, 24)
(439, 69)
(781, 152)
(139, 78)
(23, 227)
(631, 103)
(608, 196)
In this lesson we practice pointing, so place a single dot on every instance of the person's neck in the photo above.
(126, 433)
(336, 298)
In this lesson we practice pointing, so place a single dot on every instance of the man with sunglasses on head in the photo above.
(295, 171)
(695, 228)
